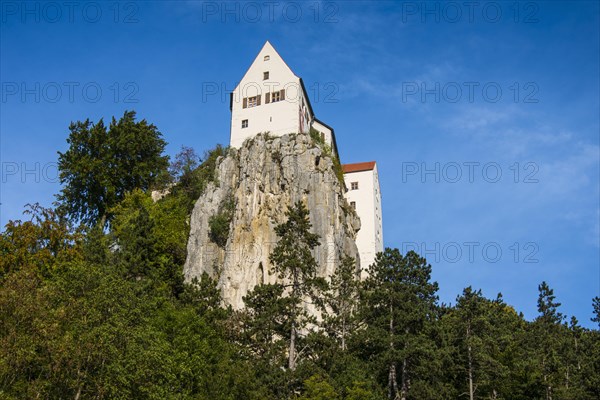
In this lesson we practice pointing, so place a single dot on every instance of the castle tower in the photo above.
(271, 98)
(364, 195)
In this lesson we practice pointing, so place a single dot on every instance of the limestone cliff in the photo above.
(257, 183)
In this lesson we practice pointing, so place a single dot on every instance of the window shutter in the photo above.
(258, 99)
(282, 94)
(245, 102)
(267, 98)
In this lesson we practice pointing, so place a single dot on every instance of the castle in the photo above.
(271, 98)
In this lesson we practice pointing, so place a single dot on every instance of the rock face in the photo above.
(261, 180)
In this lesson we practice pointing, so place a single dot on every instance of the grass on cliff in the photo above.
(337, 166)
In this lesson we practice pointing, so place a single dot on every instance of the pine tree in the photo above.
(546, 331)
(596, 305)
(341, 302)
(478, 328)
(295, 265)
(266, 321)
(399, 302)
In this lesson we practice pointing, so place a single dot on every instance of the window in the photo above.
(267, 58)
(353, 205)
(244, 123)
(265, 75)
(354, 186)
(249, 102)
(275, 96)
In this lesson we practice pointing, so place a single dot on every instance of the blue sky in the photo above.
(483, 118)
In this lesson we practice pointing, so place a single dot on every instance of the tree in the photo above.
(186, 161)
(266, 321)
(294, 264)
(546, 333)
(191, 180)
(399, 302)
(150, 238)
(88, 333)
(39, 243)
(102, 165)
(547, 307)
(480, 330)
(341, 302)
(596, 305)
(317, 388)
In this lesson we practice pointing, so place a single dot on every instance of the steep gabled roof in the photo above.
(358, 167)
(272, 53)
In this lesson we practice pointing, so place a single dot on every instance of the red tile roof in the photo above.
(358, 167)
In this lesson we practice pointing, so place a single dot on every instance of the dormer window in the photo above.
(267, 58)
(265, 75)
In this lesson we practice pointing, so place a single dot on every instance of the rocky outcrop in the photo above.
(261, 180)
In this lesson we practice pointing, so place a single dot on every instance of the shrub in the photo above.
(337, 166)
(220, 222)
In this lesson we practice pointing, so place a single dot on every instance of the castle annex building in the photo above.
(271, 98)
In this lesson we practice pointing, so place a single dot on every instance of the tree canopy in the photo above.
(101, 311)
(103, 164)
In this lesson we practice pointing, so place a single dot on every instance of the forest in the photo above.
(93, 304)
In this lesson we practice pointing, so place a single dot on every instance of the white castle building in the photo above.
(271, 98)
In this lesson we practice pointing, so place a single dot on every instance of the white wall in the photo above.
(369, 239)
(279, 118)
(326, 132)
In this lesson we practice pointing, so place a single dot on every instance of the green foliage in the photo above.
(102, 165)
(337, 166)
(399, 304)
(40, 243)
(293, 262)
(596, 306)
(479, 332)
(219, 223)
(292, 258)
(88, 333)
(547, 307)
(267, 321)
(317, 388)
(341, 303)
(360, 391)
(102, 312)
(151, 238)
(192, 181)
(185, 163)
(205, 297)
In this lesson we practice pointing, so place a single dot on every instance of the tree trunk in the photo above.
(392, 383)
(343, 333)
(292, 352)
(470, 358)
(78, 394)
(405, 380)
(404, 389)
(548, 387)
